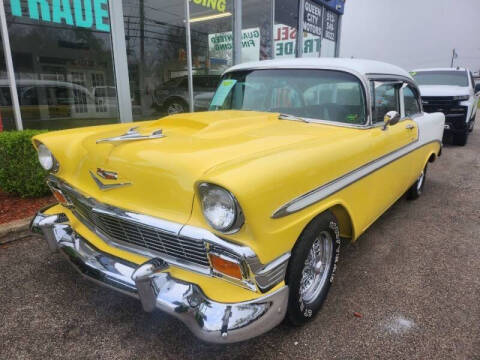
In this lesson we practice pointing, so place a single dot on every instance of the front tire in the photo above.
(312, 268)
(417, 189)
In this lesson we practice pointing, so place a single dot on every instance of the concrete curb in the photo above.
(14, 230)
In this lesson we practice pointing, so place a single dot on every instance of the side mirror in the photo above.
(391, 118)
(477, 88)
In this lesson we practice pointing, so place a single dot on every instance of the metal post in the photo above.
(301, 15)
(189, 56)
(120, 61)
(7, 53)
(237, 32)
(271, 49)
(339, 36)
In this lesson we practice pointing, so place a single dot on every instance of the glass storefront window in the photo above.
(285, 29)
(7, 120)
(63, 62)
(211, 24)
(157, 57)
(258, 31)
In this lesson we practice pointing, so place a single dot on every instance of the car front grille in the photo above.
(455, 113)
(119, 229)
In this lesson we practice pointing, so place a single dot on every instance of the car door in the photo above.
(392, 169)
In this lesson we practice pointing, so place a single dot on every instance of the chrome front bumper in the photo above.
(209, 320)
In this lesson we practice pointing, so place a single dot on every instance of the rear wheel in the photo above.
(312, 268)
(176, 106)
(417, 189)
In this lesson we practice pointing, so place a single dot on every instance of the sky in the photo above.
(413, 33)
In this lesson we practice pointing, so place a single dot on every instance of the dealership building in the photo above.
(72, 63)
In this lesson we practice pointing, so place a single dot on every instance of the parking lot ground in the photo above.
(413, 278)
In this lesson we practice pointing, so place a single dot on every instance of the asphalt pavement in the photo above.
(409, 288)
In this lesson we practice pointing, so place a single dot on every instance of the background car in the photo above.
(454, 93)
(173, 94)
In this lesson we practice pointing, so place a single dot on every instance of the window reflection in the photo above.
(61, 64)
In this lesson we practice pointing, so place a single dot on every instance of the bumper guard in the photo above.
(209, 320)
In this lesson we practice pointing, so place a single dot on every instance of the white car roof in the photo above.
(360, 66)
(441, 69)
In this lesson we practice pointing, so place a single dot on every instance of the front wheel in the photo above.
(417, 189)
(312, 268)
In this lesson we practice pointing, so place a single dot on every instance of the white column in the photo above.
(9, 63)
(120, 61)
(189, 56)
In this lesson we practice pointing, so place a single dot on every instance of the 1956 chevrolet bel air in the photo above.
(232, 219)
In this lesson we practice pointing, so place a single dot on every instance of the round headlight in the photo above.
(220, 208)
(47, 161)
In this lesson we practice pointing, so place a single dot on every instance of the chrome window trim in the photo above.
(318, 194)
(244, 254)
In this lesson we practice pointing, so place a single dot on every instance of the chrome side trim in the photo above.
(209, 320)
(343, 181)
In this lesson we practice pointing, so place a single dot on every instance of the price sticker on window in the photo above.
(222, 92)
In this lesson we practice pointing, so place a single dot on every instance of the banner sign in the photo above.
(90, 14)
(285, 40)
(220, 46)
(330, 25)
(338, 6)
(312, 18)
(219, 5)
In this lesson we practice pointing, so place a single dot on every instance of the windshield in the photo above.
(453, 78)
(313, 94)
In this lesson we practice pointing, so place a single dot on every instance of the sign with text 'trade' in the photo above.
(90, 14)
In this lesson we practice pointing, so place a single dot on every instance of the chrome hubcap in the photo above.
(420, 181)
(316, 269)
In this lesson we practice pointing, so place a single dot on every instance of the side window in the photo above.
(410, 98)
(385, 99)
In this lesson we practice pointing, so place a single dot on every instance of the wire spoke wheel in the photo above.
(316, 268)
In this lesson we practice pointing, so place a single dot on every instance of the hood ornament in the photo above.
(132, 135)
(103, 186)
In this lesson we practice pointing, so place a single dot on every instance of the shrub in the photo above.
(20, 171)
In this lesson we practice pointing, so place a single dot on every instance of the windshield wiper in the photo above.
(292, 117)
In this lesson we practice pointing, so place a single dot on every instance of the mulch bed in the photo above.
(15, 208)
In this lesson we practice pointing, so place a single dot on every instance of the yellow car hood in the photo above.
(162, 172)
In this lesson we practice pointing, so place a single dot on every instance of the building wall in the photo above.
(63, 56)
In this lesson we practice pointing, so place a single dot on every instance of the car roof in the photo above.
(360, 66)
(440, 69)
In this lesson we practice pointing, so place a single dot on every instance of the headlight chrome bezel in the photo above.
(203, 189)
(43, 150)
(461, 98)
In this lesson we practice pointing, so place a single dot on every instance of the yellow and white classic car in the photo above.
(231, 220)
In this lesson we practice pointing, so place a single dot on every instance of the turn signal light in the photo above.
(59, 196)
(227, 267)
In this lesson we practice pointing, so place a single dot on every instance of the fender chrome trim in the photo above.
(334, 186)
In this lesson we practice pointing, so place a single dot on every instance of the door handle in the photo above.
(410, 127)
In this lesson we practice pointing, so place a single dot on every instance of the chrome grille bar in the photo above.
(119, 229)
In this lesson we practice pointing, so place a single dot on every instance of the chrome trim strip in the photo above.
(343, 181)
(209, 320)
